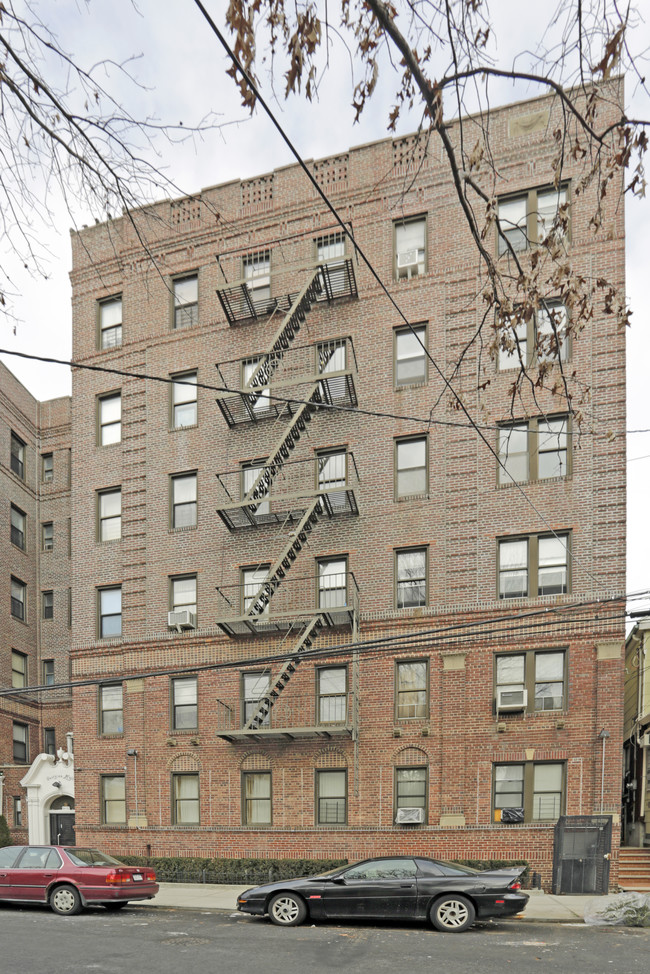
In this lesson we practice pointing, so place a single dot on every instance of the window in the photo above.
(47, 536)
(257, 274)
(250, 473)
(254, 687)
(18, 599)
(332, 583)
(411, 788)
(47, 604)
(536, 565)
(260, 403)
(536, 450)
(17, 450)
(256, 797)
(410, 364)
(111, 709)
(48, 672)
(49, 740)
(332, 470)
(21, 743)
(410, 578)
(47, 468)
(331, 684)
(252, 581)
(18, 669)
(537, 788)
(109, 511)
(110, 322)
(542, 338)
(18, 812)
(410, 248)
(185, 796)
(113, 799)
(18, 528)
(183, 593)
(110, 419)
(331, 797)
(186, 301)
(185, 714)
(411, 467)
(391, 869)
(411, 690)
(110, 611)
(330, 250)
(184, 404)
(526, 219)
(539, 672)
(183, 491)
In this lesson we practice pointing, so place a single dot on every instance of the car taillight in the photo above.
(515, 884)
(150, 876)
(118, 877)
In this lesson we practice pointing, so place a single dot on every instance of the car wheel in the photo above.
(65, 901)
(116, 905)
(287, 910)
(452, 913)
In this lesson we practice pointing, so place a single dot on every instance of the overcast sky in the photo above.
(180, 67)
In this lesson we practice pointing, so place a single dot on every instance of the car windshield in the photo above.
(91, 857)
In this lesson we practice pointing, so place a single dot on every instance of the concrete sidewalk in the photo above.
(542, 907)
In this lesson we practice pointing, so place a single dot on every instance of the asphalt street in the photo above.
(141, 940)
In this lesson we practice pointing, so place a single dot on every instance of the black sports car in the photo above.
(399, 888)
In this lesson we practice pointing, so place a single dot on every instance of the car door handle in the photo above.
(3, 875)
(406, 885)
(48, 875)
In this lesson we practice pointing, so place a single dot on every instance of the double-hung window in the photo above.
(256, 798)
(48, 672)
(18, 669)
(525, 220)
(259, 400)
(47, 468)
(533, 791)
(47, 601)
(184, 497)
(331, 797)
(535, 450)
(110, 611)
(18, 599)
(332, 583)
(186, 301)
(185, 713)
(183, 593)
(411, 690)
(541, 338)
(184, 400)
(111, 709)
(257, 274)
(535, 565)
(410, 363)
(411, 462)
(331, 682)
(47, 536)
(410, 247)
(540, 673)
(110, 514)
(330, 251)
(411, 788)
(410, 578)
(250, 472)
(113, 799)
(17, 456)
(18, 528)
(20, 742)
(252, 581)
(185, 799)
(110, 419)
(255, 685)
(110, 323)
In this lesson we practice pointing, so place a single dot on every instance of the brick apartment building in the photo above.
(315, 632)
(35, 563)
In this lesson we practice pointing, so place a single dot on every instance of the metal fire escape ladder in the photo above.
(289, 666)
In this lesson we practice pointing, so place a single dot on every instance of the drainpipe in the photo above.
(603, 737)
(2, 785)
(132, 753)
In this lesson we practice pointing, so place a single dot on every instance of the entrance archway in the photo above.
(62, 821)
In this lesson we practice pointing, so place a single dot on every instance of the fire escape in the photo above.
(286, 387)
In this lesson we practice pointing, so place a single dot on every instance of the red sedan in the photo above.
(68, 879)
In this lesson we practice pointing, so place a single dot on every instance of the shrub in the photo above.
(5, 834)
(252, 872)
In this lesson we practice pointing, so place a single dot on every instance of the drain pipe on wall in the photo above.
(603, 737)
(132, 753)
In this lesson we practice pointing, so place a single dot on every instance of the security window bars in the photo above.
(332, 583)
(113, 799)
(17, 456)
(331, 797)
(185, 714)
(20, 743)
(47, 468)
(185, 796)
(110, 419)
(332, 694)
(257, 274)
(111, 709)
(254, 687)
(47, 536)
(18, 669)
(110, 612)
(411, 467)
(110, 514)
(410, 578)
(47, 599)
(184, 493)
(110, 323)
(184, 400)
(186, 301)
(527, 219)
(410, 248)
(18, 527)
(410, 358)
(535, 788)
(256, 797)
(539, 672)
(536, 450)
(411, 690)
(18, 599)
(48, 672)
(410, 788)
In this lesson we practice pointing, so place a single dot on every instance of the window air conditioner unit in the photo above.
(181, 620)
(511, 699)
(644, 740)
(407, 261)
(409, 816)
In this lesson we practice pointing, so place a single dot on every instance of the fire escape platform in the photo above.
(322, 732)
(282, 622)
(286, 510)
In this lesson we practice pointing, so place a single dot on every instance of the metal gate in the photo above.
(581, 854)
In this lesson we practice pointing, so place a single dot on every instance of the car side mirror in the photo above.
(339, 880)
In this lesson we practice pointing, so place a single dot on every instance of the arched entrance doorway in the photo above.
(62, 821)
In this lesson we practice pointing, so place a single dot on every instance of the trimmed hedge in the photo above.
(255, 872)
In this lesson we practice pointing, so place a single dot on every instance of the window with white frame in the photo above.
(184, 500)
(110, 611)
(184, 400)
(332, 583)
(410, 363)
(410, 247)
(109, 509)
(186, 301)
(110, 419)
(410, 578)
(331, 797)
(257, 274)
(110, 322)
(111, 709)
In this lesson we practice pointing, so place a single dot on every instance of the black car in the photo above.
(398, 888)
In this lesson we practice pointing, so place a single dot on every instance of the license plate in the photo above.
(137, 877)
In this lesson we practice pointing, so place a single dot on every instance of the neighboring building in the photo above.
(636, 736)
(35, 538)
(470, 643)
